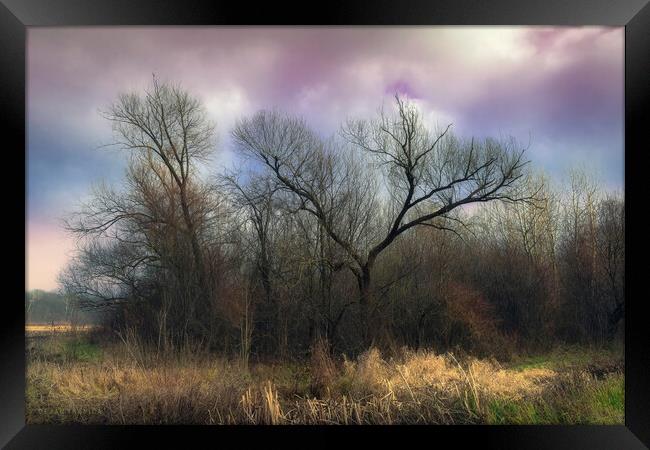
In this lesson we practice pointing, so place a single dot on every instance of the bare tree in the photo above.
(154, 238)
(169, 127)
(427, 176)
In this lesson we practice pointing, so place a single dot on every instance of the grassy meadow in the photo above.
(78, 377)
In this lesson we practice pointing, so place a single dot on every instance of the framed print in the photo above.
(375, 222)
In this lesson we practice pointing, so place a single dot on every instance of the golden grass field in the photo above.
(71, 379)
(36, 328)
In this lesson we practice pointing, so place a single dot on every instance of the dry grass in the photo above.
(47, 328)
(120, 385)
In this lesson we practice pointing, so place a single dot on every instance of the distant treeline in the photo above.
(47, 307)
(390, 233)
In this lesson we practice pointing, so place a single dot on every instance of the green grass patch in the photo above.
(607, 401)
(568, 357)
(65, 350)
(598, 402)
(79, 350)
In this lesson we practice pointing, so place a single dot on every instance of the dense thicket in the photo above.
(390, 233)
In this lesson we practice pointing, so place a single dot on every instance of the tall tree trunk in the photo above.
(201, 297)
(189, 223)
(365, 301)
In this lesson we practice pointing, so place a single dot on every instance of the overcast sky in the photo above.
(561, 88)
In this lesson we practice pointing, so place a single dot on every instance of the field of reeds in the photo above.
(75, 378)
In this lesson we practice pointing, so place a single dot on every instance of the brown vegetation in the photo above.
(126, 385)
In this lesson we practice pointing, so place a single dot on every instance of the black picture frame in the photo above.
(16, 15)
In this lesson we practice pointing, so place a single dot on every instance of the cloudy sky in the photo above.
(560, 88)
